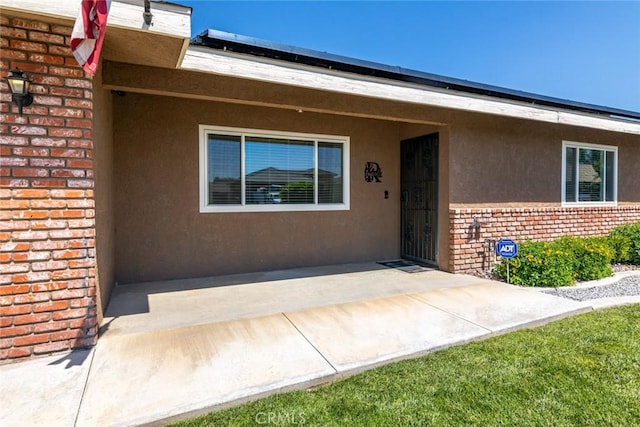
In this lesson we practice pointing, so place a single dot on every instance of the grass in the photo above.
(580, 371)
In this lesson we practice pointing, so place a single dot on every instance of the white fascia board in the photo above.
(203, 59)
(60, 9)
(584, 120)
(168, 19)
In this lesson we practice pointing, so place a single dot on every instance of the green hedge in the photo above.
(538, 264)
(567, 259)
(590, 257)
(625, 241)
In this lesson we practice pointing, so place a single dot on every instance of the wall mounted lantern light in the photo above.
(147, 15)
(19, 86)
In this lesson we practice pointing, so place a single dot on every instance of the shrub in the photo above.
(620, 244)
(560, 262)
(538, 264)
(567, 259)
(632, 233)
(591, 257)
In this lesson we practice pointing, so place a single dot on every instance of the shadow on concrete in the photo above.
(134, 298)
(73, 358)
(105, 326)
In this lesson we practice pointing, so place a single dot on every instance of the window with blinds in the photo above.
(251, 170)
(590, 173)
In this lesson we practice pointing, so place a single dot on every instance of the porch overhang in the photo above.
(223, 63)
(128, 38)
(207, 86)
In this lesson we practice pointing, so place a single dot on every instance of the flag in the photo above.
(88, 33)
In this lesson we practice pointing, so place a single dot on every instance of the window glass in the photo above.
(590, 170)
(262, 171)
(570, 176)
(610, 179)
(330, 172)
(279, 171)
(590, 173)
(223, 169)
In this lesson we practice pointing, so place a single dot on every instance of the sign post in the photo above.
(507, 249)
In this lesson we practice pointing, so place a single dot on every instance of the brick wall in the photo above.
(47, 231)
(469, 250)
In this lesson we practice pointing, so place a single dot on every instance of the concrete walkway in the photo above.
(172, 349)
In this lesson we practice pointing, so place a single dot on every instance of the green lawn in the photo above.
(581, 371)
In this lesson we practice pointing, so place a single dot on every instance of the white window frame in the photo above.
(243, 133)
(578, 145)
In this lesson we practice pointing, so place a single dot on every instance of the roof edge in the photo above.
(221, 40)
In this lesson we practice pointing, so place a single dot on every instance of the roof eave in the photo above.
(247, 45)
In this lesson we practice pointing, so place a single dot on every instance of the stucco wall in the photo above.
(160, 233)
(628, 168)
(103, 158)
(485, 162)
(501, 161)
(507, 173)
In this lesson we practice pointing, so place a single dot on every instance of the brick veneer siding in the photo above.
(468, 245)
(47, 230)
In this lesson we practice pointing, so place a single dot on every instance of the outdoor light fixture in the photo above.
(147, 15)
(19, 86)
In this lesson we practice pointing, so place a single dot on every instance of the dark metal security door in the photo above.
(419, 198)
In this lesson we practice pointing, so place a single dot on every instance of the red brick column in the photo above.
(468, 246)
(47, 230)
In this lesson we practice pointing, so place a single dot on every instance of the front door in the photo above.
(419, 198)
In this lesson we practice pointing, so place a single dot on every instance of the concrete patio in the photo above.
(173, 349)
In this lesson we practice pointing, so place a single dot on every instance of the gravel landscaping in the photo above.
(627, 286)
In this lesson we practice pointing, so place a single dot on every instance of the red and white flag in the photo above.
(88, 33)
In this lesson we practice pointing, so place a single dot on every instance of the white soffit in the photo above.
(243, 66)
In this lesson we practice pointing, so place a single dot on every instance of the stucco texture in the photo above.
(485, 161)
(497, 161)
(103, 158)
(160, 233)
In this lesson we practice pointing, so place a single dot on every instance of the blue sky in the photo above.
(581, 51)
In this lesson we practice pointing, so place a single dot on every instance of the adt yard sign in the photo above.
(506, 248)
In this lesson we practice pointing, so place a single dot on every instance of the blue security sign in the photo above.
(506, 248)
